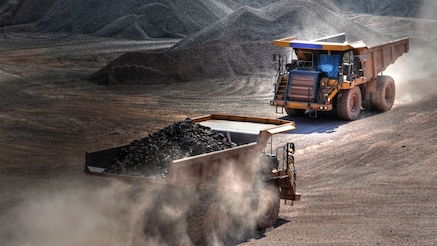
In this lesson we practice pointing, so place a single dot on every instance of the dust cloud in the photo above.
(69, 217)
(117, 214)
(414, 75)
(414, 72)
(120, 213)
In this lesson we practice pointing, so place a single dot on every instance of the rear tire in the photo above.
(295, 112)
(349, 103)
(385, 94)
(208, 222)
(267, 206)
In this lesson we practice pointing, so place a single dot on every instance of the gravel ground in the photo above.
(368, 182)
(371, 181)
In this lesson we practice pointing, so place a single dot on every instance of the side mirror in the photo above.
(347, 70)
(290, 148)
(275, 57)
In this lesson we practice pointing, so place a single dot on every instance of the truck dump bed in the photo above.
(377, 58)
(223, 169)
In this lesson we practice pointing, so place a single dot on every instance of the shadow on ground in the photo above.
(256, 235)
(324, 122)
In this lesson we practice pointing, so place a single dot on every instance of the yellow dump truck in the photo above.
(330, 73)
(254, 173)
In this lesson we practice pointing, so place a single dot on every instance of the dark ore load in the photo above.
(151, 156)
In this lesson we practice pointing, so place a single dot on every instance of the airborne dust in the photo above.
(107, 212)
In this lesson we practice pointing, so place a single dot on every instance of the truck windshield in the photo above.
(329, 64)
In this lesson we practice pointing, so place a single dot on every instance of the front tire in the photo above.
(349, 103)
(267, 206)
(385, 94)
(208, 222)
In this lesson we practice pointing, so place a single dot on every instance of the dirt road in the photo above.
(371, 181)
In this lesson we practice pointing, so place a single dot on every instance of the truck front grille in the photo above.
(302, 88)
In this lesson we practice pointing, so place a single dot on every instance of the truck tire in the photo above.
(267, 206)
(295, 112)
(385, 94)
(208, 222)
(349, 103)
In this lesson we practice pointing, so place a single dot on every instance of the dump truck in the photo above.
(332, 74)
(255, 171)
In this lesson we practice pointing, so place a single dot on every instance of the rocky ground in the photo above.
(368, 182)
(371, 181)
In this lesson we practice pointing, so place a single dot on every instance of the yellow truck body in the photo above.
(330, 68)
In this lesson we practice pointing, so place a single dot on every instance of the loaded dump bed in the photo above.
(223, 169)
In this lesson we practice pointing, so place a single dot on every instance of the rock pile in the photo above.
(151, 156)
(239, 44)
(145, 19)
(219, 38)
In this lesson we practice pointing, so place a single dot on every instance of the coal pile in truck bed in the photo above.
(151, 156)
